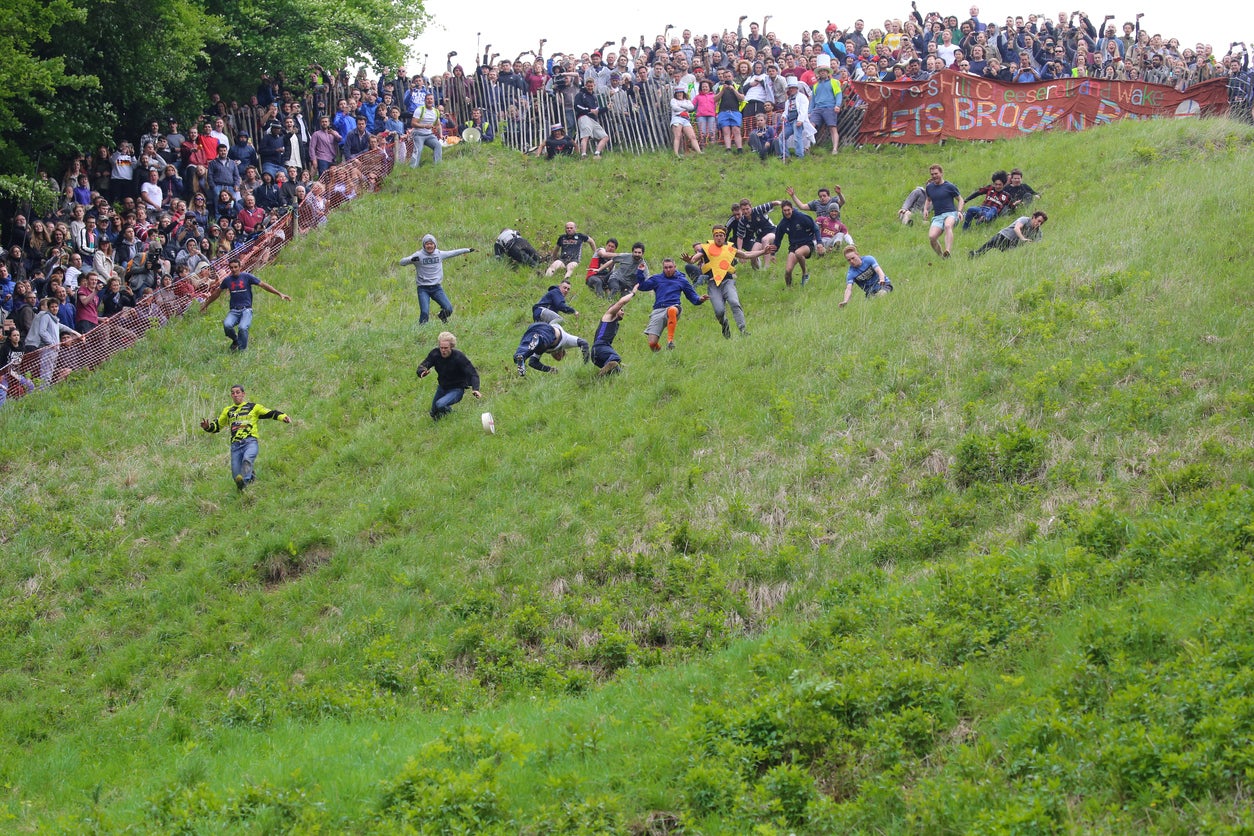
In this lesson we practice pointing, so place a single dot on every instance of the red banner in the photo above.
(952, 105)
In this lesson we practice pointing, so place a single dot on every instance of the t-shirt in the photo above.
(942, 197)
(864, 275)
(241, 289)
(571, 246)
(606, 332)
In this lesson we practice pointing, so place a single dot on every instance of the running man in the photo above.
(803, 240)
(454, 374)
(717, 260)
(945, 203)
(239, 319)
(241, 419)
(669, 287)
(429, 263)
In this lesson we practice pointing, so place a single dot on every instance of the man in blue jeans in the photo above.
(240, 317)
(240, 419)
(454, 374)
(429, 263)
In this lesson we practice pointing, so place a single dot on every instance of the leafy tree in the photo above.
(32, 74)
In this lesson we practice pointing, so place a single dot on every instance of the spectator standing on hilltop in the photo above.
(945, 203)
(323, 145)
(429, 265)
(588, 112)
(426, 123)
(241, 418)
(454, 374)
(239, 318)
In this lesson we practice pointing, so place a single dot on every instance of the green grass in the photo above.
(974, 557)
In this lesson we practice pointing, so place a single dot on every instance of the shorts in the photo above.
(792, 248)
(603, 353)
(730, 119)
(939, 220)
(657, 321)
(821, 116)
(591, 128)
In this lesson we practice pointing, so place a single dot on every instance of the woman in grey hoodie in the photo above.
(429, 262)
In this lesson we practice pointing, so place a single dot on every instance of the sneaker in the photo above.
(587, 352)
(726, 330)
(239, 482)
(805, 279)
(970, 253)
(670, 345)
(945, 254)
(596, 154)
(522, 371)
(444, 315)
(744, 332)
(609, 368)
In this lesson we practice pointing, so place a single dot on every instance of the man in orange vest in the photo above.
(715, 262)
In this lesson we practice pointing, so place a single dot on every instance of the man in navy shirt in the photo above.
(803, 236)
(240, 317)
(945, 203)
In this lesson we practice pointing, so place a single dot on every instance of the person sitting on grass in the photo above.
(996, 199)
(1025, 230)
(866, 273)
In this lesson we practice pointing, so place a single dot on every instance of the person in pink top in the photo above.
(707, 112)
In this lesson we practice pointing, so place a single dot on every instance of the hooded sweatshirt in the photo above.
(430, 266)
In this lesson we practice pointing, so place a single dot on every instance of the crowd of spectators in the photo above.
(143, 216)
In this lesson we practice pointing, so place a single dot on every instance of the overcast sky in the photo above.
(457, 24)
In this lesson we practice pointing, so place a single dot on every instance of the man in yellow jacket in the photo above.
(240, 419)
(716, 261)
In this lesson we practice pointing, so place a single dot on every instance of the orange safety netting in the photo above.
(338, 185)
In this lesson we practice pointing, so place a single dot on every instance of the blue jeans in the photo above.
(798, 137)
(423, 141)
(243, 454)
(442, 402)
(243, 318)
(273, 168)
(425, 294)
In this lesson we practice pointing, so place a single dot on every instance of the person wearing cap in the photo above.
(243, 152)
(429, 265)
(797, 127)
(598, 73)
(681, 123)
(832, 232)
(270, 149)
(557, 143)
(825, 105)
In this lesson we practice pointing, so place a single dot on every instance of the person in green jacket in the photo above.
(240, 419)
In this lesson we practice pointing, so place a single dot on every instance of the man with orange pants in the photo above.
(669, 287)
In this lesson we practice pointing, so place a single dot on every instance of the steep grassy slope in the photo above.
(843, 573)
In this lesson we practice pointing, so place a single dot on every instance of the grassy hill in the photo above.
(974, 557)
